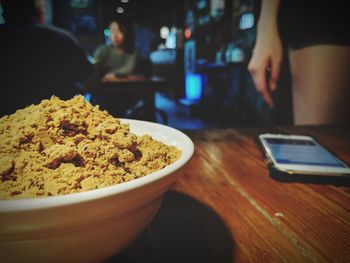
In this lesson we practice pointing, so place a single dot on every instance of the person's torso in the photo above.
(115, 59)
(36, 63)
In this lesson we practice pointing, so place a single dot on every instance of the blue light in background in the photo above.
(106, 33)
(193, 88)
(246, 21)
(170, 41)
(87, 97)
(2, 20)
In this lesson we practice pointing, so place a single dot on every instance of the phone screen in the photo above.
(301, 152)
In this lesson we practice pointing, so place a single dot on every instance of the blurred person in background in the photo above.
(36, 61)
(112, 61)
(116, 59)
(317, 37)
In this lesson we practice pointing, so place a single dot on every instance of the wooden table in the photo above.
(136, 86)
(226, 207)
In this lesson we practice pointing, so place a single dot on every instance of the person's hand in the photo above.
(109, 77)
(264, 65)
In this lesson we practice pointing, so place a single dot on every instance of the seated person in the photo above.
(115, 59)
(36, 61)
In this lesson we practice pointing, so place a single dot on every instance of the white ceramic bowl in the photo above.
(94, 225)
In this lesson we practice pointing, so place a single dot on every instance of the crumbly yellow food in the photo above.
(59, 147)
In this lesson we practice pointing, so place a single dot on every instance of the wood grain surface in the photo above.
(226, 207)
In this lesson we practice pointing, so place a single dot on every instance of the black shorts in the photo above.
(313, 22)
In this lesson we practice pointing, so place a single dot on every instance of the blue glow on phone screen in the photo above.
(302, 152)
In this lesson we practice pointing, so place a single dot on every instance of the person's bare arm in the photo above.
(267, 53)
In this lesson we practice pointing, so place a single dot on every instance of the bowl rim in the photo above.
(26, 204)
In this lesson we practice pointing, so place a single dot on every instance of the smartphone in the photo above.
(301, 155)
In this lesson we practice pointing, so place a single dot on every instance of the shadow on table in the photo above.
(184, 230)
